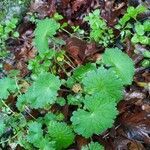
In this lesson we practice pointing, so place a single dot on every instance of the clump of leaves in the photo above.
(45, 30)
(99, 31)
(61, 133)
(146, 61)
(105, 88)
(48, 47)
(47, 59)
(102, 88)
(58, 135)
(103, 81)
(35, 136)
(7, 30)
(96, 111)
(9, 86)
(93, 89)
(139, 32)
(42, 93)
(124, 63)
(131, 13)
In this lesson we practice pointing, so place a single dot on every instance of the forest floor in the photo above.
(131, 129)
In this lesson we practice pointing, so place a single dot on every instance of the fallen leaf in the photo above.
(79, 50)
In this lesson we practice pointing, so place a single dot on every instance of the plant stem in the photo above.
(69, 33)
(70, 60)
(9, 139)
(8, 107)
(16, 81)
(69, 64)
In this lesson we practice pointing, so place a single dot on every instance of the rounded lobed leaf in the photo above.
(61, 133)
(42, 93)
(45, 28)
(80, 72)
(120, 63)
(103, 81)
(46, 144)
(7, 85)
(35, 132)
(98, 115)
(35, 136)
(139, 28)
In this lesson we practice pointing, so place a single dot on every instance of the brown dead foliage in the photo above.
(79, 50)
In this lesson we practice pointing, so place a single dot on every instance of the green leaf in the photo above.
(45, 144)
(61, 101)
(124, 19)
(52, 117)
(120, 63)
(99, 28)
(61, 133)
(75, 99)
(146, 25)
(135, 38)
(7, 86)
(21, 102)
(131, 13)
(146, 54)
(93, 146)
(57, 16)
(139, 28)
(45, 29)
(70, 82)
(103, 81)
(1, 30)
(2, 126)
(141, 9)
(43, 92)
(131, 10)
(22, 141)
(97, 116)
(146, 63)
(35, 132)
(49, 117)
(16, 34)
(80, 72)
(145, 40)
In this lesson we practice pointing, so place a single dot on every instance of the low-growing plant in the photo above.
(32, 17)
(48, 59)
(99, 31)
(102, 88)
(137, 31)
(146, 62)
(94, 89)
(141, 34)
(44, 33)
(131, 13)
(7, 30)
